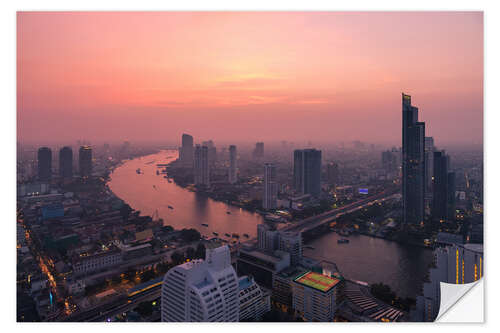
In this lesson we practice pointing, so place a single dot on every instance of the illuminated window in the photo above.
(475, 272)
(457, 267)
(463, 270)
(480, 267)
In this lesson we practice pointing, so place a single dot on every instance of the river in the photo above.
(373, 260)
(148, 192)
(364, 258)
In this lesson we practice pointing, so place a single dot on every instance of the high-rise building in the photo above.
(259, 150)
(291, 242)
(413, 164)
(429, 163)
(186, 151)
(44, 164)
(232, 172)
(267, 238)
(443, 203)
(201, 166)
(254, 302)
(66, 162)
(270, 197)
(307, 171)
(212, 152)
(332, 174)
(451, 196)
(85, 161)
(202, 290)
(456, 264)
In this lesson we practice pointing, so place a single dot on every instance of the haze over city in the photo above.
(247, 166)
(251, 76)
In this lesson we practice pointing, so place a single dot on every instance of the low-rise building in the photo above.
(87, 264)
(314, 296)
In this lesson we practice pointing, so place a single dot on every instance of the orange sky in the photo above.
(320, 76)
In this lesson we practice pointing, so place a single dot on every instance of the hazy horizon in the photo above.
(248, 76)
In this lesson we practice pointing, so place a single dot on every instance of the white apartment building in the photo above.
(254, 302)
(202, 290)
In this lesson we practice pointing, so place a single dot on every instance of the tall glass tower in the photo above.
(307, 171)
(413, 164)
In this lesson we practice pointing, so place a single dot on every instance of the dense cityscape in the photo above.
(86, 254)
(231, 166)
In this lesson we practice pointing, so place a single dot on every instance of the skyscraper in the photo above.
(201, 167)
(212, 152)
(85, 161)
(429, 163)
(270, 198)
(307, 171)
(202, 290)
(186, 152)
(440, 185)
(413, 164)
(443, 204)
(232, 175)
(44, 163)
(451, 196)
(66, 162)
(259, 150)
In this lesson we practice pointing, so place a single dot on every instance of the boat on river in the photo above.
(204, 224)
(343, 241)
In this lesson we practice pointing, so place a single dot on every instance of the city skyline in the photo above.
(247, 166)
(340, 71)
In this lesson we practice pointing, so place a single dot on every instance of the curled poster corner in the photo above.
(461, 302)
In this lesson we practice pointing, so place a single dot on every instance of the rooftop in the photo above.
(317, 281)
(244, 282)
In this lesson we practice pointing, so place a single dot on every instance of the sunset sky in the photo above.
(320, 76)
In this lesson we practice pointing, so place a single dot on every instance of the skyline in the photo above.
(295, 76)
